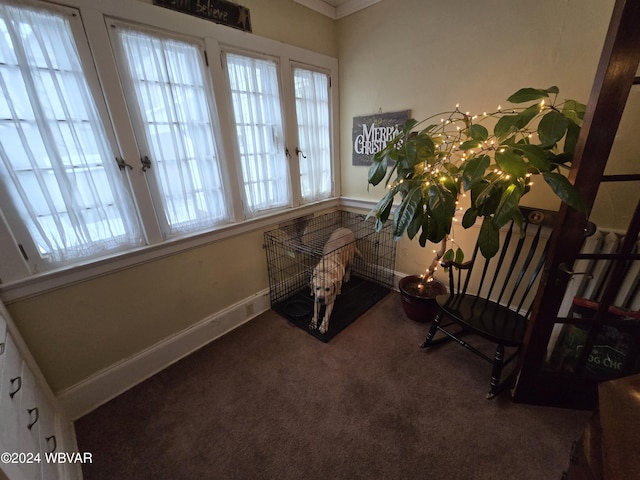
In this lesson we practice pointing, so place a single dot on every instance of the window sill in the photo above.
(51, 280)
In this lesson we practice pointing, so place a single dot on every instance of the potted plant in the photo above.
(429, 165)
(418, 295)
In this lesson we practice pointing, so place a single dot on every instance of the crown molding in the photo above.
(347, 8)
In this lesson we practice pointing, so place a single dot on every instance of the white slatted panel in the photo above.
(591, 244)
(629, 289)
(601, 268)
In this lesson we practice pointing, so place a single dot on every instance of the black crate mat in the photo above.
(358, 295)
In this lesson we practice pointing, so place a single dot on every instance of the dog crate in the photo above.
(294, 250)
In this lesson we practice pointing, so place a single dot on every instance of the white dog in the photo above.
(334, 268)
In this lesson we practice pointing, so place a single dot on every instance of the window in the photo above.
(62, 193)
(314, 133)
(258, 120)
(168, 89)
(117, 133)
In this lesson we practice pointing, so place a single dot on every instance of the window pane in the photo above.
(168, 87)
(58, 171)
(314, 133)
(258, 118)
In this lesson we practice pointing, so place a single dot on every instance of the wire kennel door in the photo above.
(294, 250)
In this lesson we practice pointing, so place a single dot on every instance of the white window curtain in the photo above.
(59, 179)
(314, 133)
(258, 119)
(167, 83)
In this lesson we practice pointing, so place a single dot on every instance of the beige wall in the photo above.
(76, 331)
(616, 201)
(289, 22)
(397, 54)
(428, 56)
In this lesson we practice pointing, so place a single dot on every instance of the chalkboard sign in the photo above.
(371, 133)
(219, 11)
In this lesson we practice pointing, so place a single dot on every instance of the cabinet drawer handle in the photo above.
(36, 416)
(2, 348)
(17, 380)
(52, 440)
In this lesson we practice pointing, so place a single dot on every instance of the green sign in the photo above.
(605, 361)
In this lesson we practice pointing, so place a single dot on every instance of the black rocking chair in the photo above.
(500, 308)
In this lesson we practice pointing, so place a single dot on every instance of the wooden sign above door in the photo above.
(219, 11)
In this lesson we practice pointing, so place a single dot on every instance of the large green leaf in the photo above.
(416, 222)
(552, 128)
(433, 231)
(508, 204)
(469, 144)
(573, 132)
(489, 238)
(525, 116)
(450, 184)
(424, 144)
(408, 126)
(505, 126)
(382, 210)
(565, 190)
(574, 111)
(377, 170)
(456, 256)
(451, 168)
(508, 124)
(518, 219)
(448, 255)
(559, 159)
(474, 170)
(441, 208)
(469, 217)
(408, 154)
(438, 230)
(478, 132)
(403, 215)
(485, 196)
(424, 236)
(430, 128)
(537, 156)
(527, 95)
(442, 203)
(511, 163)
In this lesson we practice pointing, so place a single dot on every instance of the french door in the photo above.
(585, 323)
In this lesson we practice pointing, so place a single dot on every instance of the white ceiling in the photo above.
(336, 8)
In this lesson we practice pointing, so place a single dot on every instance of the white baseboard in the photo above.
(80, 399)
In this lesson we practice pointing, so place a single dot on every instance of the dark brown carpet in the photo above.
(269, 401)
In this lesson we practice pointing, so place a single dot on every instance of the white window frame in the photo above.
(138, 127)
(16, 278)
(294, 127)
(234, 139)
(30, 261)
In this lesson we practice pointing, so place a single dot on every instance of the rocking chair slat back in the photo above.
(509, 277)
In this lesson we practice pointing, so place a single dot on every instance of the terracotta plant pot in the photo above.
(419, 300)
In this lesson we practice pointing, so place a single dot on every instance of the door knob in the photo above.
(565, 269)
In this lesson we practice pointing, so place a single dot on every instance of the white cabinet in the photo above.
(11, 388)
(31, 426)
(10, 393)
(3, 330)
(28, 442)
